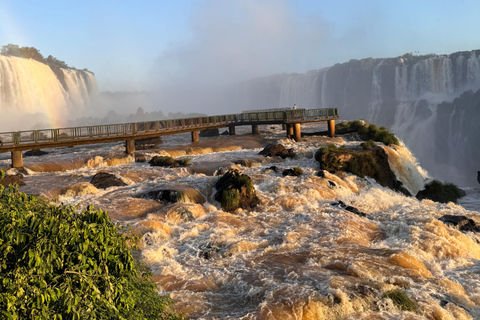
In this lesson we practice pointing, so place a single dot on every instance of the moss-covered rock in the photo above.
(371, 163)
(401, 300)
(440, 192)
(166, 161)
(368, 131)
(235, 190)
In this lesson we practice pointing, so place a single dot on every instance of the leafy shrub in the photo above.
(162, 161)
(230, 199)
(60, 263)
(401, 300)
(440, 192)
(369, 131)
(367, 145)
(246, 181)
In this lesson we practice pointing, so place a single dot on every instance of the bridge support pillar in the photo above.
(298, 132)
(289, 130)
(17, 159)
(194, 136)
(231, 130)
(130, 146)
(254, 128)
(331, 128)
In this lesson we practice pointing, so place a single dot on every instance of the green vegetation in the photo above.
(230, 199)
(246, 182)
(401, 300)
(183, 162)
(367, 145)
(364, 164)
(327, 159)
(60, 263)
(369, 131)
(440, 192)
(33, 53)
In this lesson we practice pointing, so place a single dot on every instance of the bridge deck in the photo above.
(51, 138)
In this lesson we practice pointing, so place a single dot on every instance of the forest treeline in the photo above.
(33, 53)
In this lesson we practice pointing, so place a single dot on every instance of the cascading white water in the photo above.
(28, 87)
(300, 90)
(376, 103)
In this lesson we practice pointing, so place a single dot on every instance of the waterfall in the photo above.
(31, 90)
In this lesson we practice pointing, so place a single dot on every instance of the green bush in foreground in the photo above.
(57, 263)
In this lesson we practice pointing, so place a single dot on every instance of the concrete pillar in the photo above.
(289, 130)
(254, 128)
(331, 128)
(17, 159)
(130, 146)
(231, 130)
(194, 136)
(298, 132)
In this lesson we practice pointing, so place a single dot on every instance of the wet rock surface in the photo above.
(12, 179)
(174, 195)
(354, 210)
(462, 223)
(279, 150)
(209, 133)
(35, 153)
(235, 190)
(104, 180)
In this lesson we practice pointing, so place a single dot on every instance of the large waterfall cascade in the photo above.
(29, 87)
(404, 94)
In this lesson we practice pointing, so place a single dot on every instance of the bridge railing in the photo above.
(125, 129)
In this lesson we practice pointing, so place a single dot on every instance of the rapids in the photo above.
(296, 256)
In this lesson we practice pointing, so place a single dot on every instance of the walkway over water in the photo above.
(16, 142)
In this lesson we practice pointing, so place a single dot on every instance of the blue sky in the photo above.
(138, 45)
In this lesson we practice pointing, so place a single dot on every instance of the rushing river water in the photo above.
(297, 255)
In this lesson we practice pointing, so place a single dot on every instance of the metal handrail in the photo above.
(123, 129)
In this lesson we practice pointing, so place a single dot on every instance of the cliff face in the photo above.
(404, 94)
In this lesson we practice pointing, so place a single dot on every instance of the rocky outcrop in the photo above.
(277, 150)
(104, 180)
(235, 190)
(12, 179)
(294, 172)
(440, 192)
(462, 223)
(363, 163)
(79, 189)
(35, 153)
(169, 162)
(174, 195)
(354, 210)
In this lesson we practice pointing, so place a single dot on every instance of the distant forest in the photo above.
(33, 53)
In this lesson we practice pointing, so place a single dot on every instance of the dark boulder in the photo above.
(277, 150)
(461, 222)
(294, 172)
(235, 190)
(176, 194)
(273, 168)
(320, 174)
(104, 180)
(12, 179)
(35, 153)
(440, 192)
(331, 184)
(354, 210)
(225, 133)
(166, 161)
(209, 133)
(140, 157)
